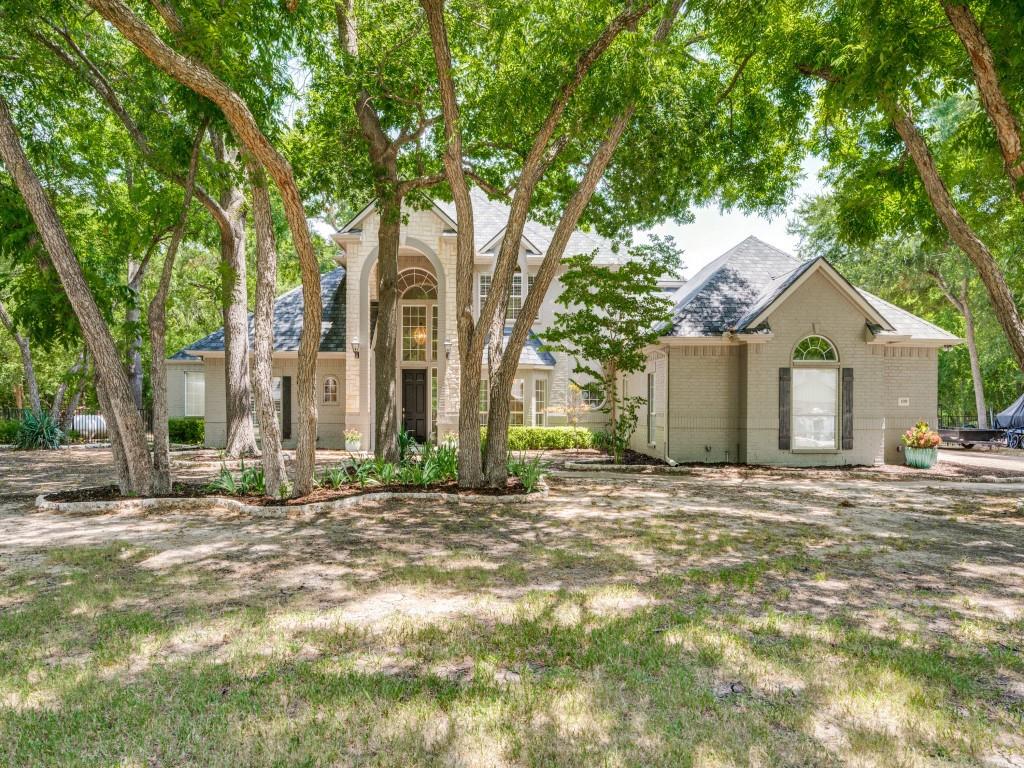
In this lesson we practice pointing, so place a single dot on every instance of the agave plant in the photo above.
(335, 477)
(225, 483)
(38, 432)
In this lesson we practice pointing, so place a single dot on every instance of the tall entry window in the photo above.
(414, 333)
(815, 395)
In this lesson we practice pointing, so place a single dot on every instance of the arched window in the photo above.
(815, 349)
(815, 405)
(330, 390)
(416, 284)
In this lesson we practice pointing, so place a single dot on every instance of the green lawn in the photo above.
(628, 622)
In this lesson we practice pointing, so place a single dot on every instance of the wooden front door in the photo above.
(414, 403)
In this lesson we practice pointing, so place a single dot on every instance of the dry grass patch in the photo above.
(632, 621)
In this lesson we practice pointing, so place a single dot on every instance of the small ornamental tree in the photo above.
(612, 314)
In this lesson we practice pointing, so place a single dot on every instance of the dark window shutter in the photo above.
(286, 407)
(847, 432)
(785, 405)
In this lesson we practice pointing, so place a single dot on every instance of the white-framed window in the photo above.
(433, 332)
(414, 333)
(330, 391)
(195, 393)
(515, 297)
(815, 395)
(484, 403)
(515, 404)
(540, 402)
(592, 395)
(483, 291)
(650, 408)
(530, 280)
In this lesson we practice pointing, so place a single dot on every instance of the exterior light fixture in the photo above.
(448, 344)
(355, 347)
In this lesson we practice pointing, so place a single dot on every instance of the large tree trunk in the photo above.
(274, 472)
(489, 328)
(26, 360)
(121, 412)
(201, 79)
(1003, 302)
(1000, 114)
(972, 351)
(157, 317)
(241, 438)
(385, 346)
(470, 460)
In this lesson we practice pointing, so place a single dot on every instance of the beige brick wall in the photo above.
(330, 417)
(176, 385)
(725, 397)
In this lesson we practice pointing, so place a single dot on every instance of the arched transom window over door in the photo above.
(815, 406)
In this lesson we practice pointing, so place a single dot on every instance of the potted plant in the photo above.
(353, 440)
(921, 446)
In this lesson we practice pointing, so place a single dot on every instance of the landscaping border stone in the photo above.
(208, 503)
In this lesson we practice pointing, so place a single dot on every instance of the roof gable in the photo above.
(784, 286)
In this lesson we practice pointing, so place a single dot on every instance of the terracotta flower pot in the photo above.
(921, 458)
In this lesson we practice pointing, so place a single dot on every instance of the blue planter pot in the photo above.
(921, 458)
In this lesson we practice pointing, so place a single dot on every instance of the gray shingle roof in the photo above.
(906, 324)
(182, 356)
(736, 287)
(288, 319)
(491, 216)
(533, 351)
(720, 294)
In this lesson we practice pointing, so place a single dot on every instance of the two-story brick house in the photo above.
(767, 359)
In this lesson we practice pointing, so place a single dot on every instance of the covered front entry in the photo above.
(414, 403)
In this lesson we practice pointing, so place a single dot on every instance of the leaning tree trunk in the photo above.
(134, 320)
(200, 78)
(1000, 113)
(274, 473)
(157, 317)
(1003, 302)
(121, 412)
(241, 439)
(386, 345)
(73, 376)
(972, 351)
(26, 360)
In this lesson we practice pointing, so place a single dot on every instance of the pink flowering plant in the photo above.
(921, 437)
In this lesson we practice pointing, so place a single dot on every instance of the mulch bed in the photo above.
(513, 487)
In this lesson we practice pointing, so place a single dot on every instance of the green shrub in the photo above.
(9, 431)
(545, 438)
(190, 430)
(529, 471)
(38, 432)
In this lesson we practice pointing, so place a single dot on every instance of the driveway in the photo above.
(982, 459)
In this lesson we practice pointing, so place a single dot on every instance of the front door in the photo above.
(414, 403)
